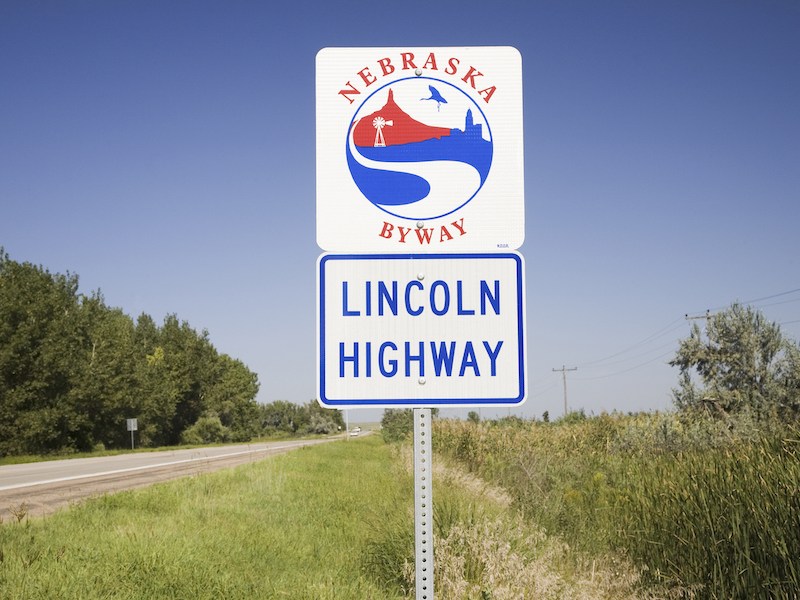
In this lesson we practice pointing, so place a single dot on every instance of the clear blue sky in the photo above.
(165, 152)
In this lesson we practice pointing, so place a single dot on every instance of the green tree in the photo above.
(231, 395)
(319, 416)
(105, 387)
(397, 424)
(72, 370)
(280, 415)
(39, 343)
(189, 359)
(743, 364)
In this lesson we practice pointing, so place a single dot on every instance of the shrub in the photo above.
(208, 429)
(397, 424)
(321, 424)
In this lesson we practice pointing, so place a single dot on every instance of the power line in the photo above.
(761, 299)
(772, 296)
(661, 332)
(626, 370)
(660, 349)
(779, 303)
(542, 391)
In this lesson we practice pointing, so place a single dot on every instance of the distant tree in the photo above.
(546, 416)
(333, 416)
(289, 417)
(321, 424)
(473, 417)
(743, 363)
(397, 424)
(280, 415)
(231, 395)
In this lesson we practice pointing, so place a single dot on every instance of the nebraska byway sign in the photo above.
(419, 150)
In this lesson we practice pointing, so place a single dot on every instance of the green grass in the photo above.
(294, 526)
(722, 521)
(708, 510)
(333, 521)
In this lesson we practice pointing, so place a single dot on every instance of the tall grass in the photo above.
(708, 510)
(724, 522)
(485, 550)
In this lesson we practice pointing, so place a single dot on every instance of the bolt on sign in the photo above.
(419, 150)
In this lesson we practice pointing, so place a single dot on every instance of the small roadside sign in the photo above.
(421, 330)
(133, 425)
(419, 149)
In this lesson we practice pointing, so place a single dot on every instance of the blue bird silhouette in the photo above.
(436, 97)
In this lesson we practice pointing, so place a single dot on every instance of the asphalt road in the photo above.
(37, 489)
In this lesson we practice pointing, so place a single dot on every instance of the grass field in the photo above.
(708, 510)
(328, 522)
(293, 526)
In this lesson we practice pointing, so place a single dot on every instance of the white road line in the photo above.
(140, 468)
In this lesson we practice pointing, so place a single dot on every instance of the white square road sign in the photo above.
(421, 330)
(419, 150)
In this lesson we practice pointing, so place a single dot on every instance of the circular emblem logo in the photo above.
(419, 148)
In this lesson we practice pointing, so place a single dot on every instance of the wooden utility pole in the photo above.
(706, 316)
(564, 370)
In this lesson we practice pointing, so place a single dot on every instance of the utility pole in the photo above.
(706, 316)
(563, 371)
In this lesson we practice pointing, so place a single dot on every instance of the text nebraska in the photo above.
(407, 61)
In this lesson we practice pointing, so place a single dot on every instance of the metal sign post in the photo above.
(423, 504)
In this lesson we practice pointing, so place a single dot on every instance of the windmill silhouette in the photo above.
(379, 123)
(436, 97)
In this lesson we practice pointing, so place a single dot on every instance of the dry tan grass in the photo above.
(503, 557)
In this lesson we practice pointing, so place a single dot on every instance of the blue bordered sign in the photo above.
(419, 149)
(421, 330)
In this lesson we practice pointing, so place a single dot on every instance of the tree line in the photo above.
(73, 369)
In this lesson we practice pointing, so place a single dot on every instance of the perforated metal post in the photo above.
(423, 503)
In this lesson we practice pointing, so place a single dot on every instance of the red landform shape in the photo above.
(403, 130)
